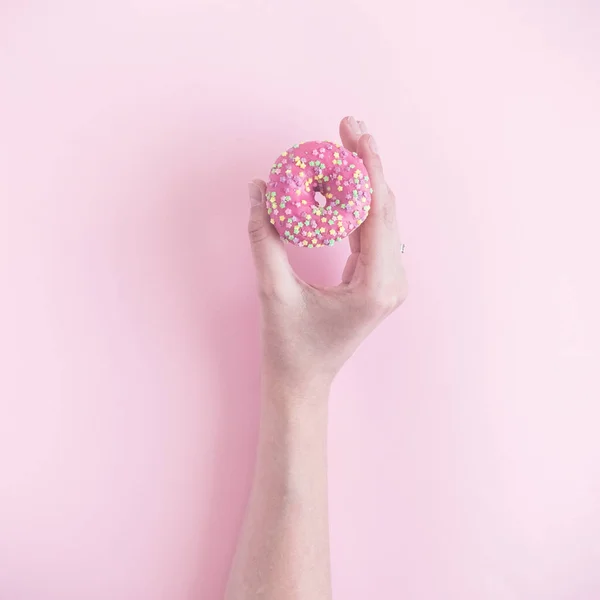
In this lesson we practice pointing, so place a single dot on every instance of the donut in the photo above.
(311, 171)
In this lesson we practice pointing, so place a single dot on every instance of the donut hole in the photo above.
(320, 199)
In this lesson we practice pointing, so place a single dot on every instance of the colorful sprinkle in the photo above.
(313, 167)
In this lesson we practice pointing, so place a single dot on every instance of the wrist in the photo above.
(294, 413)
(295, 391)
(296, 383)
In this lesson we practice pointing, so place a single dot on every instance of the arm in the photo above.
(308, 333)
(283, 551)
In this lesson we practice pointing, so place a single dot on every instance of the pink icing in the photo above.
(311, 167)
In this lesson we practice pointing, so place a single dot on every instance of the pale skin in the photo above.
(308, 333)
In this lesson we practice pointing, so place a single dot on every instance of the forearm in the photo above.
(283, 551)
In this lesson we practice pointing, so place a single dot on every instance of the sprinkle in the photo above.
(302, 221)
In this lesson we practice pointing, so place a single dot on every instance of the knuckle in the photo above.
(389, 208)
(375, 163)
(278, 296)
(377, 300)
(402, 293)
(384, 206)
(268, 293)
(386, 303)
(388, 213)
(257, 231)
(384, 299)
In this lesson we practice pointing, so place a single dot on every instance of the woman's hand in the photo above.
(310, 331)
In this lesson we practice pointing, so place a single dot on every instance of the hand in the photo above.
(310, 331)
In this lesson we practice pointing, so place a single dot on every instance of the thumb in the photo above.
(270, 259)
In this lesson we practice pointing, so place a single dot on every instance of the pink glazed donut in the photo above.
(312, 168)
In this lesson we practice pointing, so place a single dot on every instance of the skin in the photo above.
(308, 334)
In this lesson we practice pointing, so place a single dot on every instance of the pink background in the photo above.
(464, 448)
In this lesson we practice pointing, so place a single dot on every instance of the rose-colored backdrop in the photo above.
(464, 447)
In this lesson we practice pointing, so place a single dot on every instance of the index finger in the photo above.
(383, 204)
(381, 249)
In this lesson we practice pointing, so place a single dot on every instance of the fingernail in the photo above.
(354, 125)
(255, 194)
(373, 145)
(363, 126)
